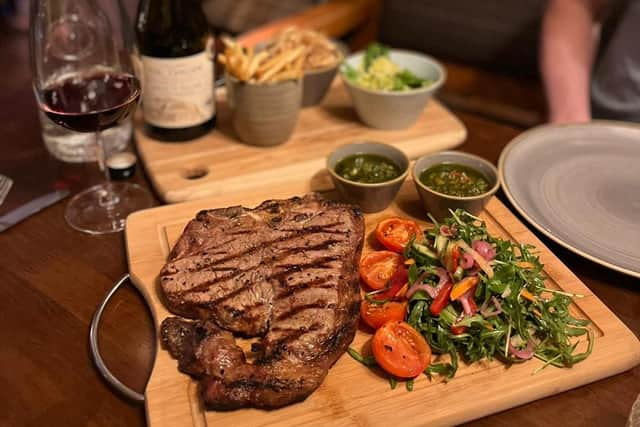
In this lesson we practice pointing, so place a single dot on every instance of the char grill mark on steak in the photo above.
(318, 283)
(295, 284)
(235, 273)
(300, 308)
(283, 239)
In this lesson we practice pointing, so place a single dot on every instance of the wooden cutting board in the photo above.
(218, 164)
(351, 394)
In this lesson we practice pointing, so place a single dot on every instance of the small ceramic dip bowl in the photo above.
(438, 204)
(370, 197)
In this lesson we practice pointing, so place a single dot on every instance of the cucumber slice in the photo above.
(424, 250)
(441, 244)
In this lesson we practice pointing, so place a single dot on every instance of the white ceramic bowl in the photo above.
(386, 109)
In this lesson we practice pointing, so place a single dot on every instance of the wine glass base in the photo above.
(90, 211)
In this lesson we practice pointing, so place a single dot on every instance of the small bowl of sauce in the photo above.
(367, 168)
(368, 173)
(452, 180)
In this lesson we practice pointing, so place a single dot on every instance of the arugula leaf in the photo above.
(366, 361)
(374, 50)
(544, 317)
(406, 78)
(413, 274)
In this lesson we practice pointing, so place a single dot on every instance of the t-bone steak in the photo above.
(286, 272)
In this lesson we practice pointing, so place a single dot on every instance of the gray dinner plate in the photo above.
(579, 184)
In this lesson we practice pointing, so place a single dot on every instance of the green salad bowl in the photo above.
(386, 109)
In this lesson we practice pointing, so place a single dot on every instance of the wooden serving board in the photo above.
(218, 164)
(352, 394)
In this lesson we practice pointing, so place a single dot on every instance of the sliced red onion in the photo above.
(468, 306)
(496, 302)
(525, 354)
(420, 278)
(484, 249)
(430, 290)
(445, 231)
(485, 312)
(479, 259)
(484, 306)
(467, 261)
(443, 275)
(473, 271)
(490, 313)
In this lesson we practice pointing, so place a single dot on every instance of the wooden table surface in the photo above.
(52, 278)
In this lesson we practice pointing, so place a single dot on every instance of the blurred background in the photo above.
(496, 38)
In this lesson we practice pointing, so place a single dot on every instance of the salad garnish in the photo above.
(472, 296)
(377, 71)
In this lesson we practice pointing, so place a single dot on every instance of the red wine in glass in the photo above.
(83, 80)
(91, 102)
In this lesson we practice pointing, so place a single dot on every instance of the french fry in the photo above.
(299, 64)
(285, 75)
(243, 67)
(255, 62)
(290, 53)
(269, 63)
(282, 61)
(228, 41)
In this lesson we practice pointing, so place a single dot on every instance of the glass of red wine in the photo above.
(84, 81)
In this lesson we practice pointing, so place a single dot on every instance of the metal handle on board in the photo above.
(95, 349)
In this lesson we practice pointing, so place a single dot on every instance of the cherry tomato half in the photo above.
(441, 300)
(394, 233)
(376, 315)
(457, 330)
(395, 284)
(400, 350)
(376, 268)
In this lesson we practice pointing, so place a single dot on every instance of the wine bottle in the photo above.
(176, 52)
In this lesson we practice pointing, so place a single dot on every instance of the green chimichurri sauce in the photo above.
(367, 168)
(454, 180)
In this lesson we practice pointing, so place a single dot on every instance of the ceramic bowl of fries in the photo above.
(264, 114)
(321, 60)
(264, 92)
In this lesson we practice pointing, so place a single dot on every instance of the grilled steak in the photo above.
(285, 271)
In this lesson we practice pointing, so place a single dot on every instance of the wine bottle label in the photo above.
(178, 92)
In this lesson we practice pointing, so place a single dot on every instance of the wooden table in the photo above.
(52, 278)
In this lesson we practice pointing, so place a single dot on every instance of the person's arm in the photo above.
(570, 34)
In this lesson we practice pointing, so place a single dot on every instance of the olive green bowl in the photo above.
(438, 204)
(370, 197)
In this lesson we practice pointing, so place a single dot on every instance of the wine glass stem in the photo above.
(108, 199)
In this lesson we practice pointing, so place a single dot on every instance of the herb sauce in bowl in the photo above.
(455, 180)
(367, 168)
